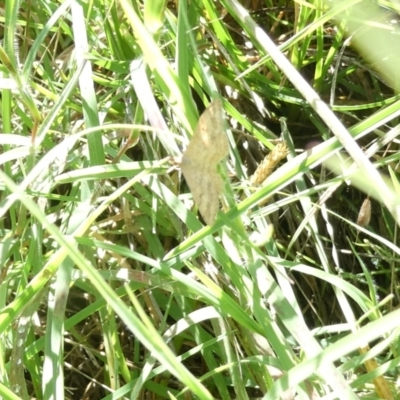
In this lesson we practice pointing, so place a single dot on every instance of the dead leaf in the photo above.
(208, 147)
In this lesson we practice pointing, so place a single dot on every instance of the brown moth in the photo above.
(208, 147)
(364, 215)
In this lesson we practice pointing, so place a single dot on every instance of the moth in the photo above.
(207, 148)
(364, 215)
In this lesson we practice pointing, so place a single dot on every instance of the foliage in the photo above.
(112, 288)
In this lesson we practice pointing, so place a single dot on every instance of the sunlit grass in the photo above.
(111, 284)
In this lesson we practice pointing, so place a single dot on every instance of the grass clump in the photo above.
(111, 287)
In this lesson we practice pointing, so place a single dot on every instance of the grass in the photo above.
(111, 285)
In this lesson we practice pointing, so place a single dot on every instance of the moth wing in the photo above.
(206, 188)
(209, 141)
(208, 146)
